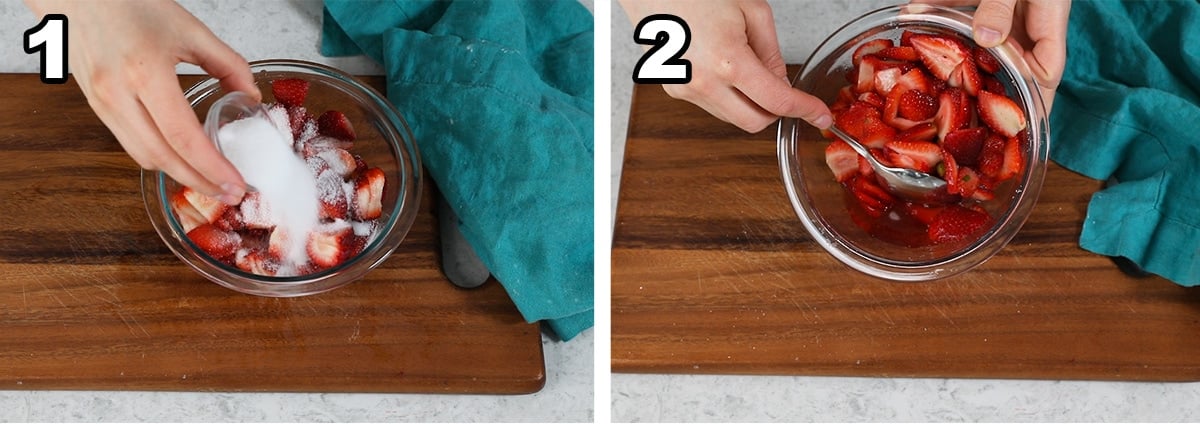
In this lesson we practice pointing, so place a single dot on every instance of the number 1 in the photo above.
(49, 38)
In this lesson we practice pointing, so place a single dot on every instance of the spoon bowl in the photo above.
(907, 183)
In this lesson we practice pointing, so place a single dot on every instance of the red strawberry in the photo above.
(1013, 160)
(256, 262)
(966, 76)
(917, 105)
(218, 243)
(906, 38)
(986, 61)
(231, 220)
(1001, 113)
(844, 100)
(189, 217)
(871, 65)
(328, 248)
(991, 156)
(940, 54)
(874, 199)
(863, 121)
(870, 47)
(965, 144)
(967, 182)
(254, 212)
(949, 171)
(279, 243)
(208, 207)
(298, 119)
(871, 98)
(331, 196)
(891, 111)
(290, 91)
(924, 131)
(904, 53)
(368, 194)
(992, 84)
(954, 111)
(956, 223)
(915, 79)
(919, 155)
(842, 160)
(886, 79)
(335, 124)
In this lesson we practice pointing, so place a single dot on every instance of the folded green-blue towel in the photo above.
(1128, 109)
(499, 95)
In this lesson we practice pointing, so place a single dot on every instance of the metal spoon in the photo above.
(907, 183)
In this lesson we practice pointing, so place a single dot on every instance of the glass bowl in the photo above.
(818, 199)
(383, 141)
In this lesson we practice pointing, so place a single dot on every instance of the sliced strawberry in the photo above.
(924, 131)
(956, 223)
(966, 76)
(870, 47)
(919, 155)
(965, 144)
(1014, 161)
(872, 98)
(842, 160)
(891, 112)
(991, 156)
(1001, 114)
(290, 91)
(331, 196)
(864, 166)
(915, 79)
(218, 243)
(874, 199)
(844, 100)
(985, 60)
(906, 38)
(968, 181)
(954, 111)
(256, 262)
(886, 79)
(940, 54)
(992, 84)
(335, 124)
(328, 248)
(949, 172)
(208, 207)
(904, 53)
(917, 106)
(863, 121)
(983, 193)
(189, 218)
(368, 194)
(255, 212)
(231, 220)
(298, 120)
(865, 80)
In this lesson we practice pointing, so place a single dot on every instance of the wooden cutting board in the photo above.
(90, 298)
(713, 273)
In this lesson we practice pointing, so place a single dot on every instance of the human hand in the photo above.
(738, 72)
(1039, 28)
(123, 56)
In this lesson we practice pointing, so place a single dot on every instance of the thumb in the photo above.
(993, 21)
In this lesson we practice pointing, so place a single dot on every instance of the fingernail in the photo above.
(987, 37)
(232, 194)
(823, 121)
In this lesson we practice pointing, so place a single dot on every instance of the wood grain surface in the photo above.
(90, 298)
(713, 273)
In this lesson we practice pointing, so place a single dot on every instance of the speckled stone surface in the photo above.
(801, 25)
(290, 29)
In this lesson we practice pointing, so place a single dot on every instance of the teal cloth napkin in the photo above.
(499, 95)
(1128, 109)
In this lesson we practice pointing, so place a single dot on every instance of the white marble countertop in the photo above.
(274, 29)
(802, 24)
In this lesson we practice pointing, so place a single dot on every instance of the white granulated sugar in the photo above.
(279, 118)
(266, 161)
(336, 158)
(363, 229)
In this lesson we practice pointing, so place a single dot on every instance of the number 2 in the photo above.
(662, 64)
(49, 38)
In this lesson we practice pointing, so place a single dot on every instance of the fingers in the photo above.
(221, 62)
(178, 128)
(773, 94)
(993, 21)
(760, 34)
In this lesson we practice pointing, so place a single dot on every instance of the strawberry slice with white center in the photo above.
(918, 155)
(842, 160)
(954, 111)
(189, 218)
(1001, 114)
(870, 47)
(1014, 162)
(218, 243)
(255, 212)
(329, 247)
(335, 124)
(886, 79)
(368, 194)
(256, 262)
(940, 54)
(208, 207)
